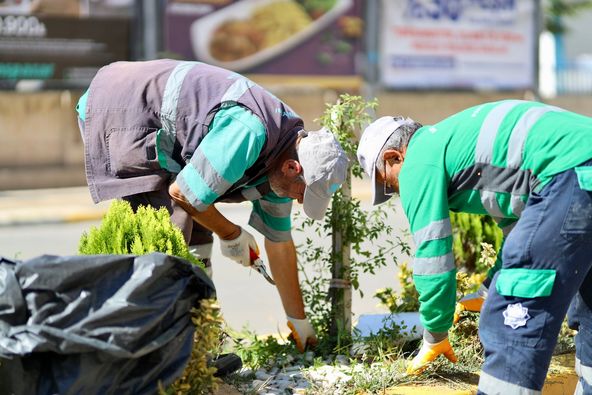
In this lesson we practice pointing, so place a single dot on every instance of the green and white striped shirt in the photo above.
(483, 160)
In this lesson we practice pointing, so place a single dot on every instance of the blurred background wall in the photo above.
(420, 58)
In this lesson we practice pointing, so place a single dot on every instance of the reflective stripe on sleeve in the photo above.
(195, 188)
(189, 190)
(251, 193)
(215, 182)
(435, 230)
(281, 210)
(433, 265)
(273, 235)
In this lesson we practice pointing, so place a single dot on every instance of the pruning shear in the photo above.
(257, 264)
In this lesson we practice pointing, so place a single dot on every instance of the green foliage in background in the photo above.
(555, 12)
(124, 232)
(470, 231)
(404, 301)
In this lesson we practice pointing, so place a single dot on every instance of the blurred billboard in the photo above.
(286, 37)
(61, 43)
(458, 44)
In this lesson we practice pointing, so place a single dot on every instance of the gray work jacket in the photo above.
(144, 120)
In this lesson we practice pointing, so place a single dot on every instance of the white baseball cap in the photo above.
(324, 165)
(371, 143)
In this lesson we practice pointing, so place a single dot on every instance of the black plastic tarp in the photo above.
(97, 324)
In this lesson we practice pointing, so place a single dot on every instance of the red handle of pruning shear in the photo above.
(253, 255)
(258, 265)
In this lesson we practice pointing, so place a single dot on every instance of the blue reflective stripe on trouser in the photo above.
(550, 234)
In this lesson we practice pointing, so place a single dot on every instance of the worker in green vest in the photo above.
(529, 166)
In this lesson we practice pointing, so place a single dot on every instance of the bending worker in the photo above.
(186, 135)
(529, 166)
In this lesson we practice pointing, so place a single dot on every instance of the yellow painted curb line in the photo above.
(561, 380)
(427, 390)
(85, 216)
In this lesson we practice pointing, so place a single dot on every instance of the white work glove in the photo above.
(238, 249)
(303, 333)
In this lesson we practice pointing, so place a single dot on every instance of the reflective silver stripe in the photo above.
(193, 200)
(251, 193)
(280, 210)
(237, 89)
(579, 389)
(490, 204)
(584, 371)
(494, 386)
(489, 128)
(210, 176)
(168, 116)
(520, 132)
(435, 230)
(434, 265)
(274, 235)
(517, 205)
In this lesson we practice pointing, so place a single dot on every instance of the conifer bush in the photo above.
(124, 232)
(149, 230)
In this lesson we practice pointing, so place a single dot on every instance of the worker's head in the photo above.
(311, 171)
(381, 152)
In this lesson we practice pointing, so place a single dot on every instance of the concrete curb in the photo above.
(74, 204)
(48, 206)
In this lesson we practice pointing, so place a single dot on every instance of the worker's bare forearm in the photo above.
(211, 218)
(282, 261)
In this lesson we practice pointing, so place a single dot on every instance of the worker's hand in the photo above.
(471, 302)
(303, 333)
(238, 249)
(428, 353)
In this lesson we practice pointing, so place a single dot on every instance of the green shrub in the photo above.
(149, 230)
(124, 232)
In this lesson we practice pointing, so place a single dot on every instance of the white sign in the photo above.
(464, 44)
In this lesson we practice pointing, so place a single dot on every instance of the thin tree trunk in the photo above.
(340, 285)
